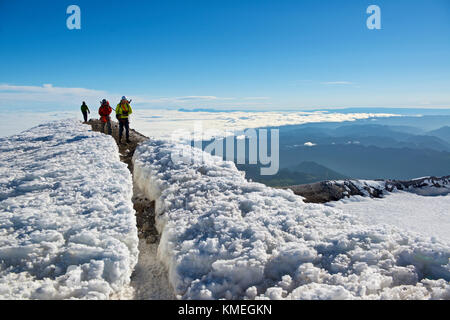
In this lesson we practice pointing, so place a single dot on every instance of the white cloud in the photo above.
(257, 98)
(13, 95)
(310, 144)
(162, 123)
(178, 100)
(197, 98)
(47, 94)
(333, 83)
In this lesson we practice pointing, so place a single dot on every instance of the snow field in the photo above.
(428, 215)
(223, 237)
(67, 223)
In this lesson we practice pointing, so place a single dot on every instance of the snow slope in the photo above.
(419, 205)
(67, 223)
(428, 215)
(225, 237)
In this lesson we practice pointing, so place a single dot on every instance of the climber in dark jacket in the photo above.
(85, 110)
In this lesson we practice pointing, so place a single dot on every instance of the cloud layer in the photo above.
(45, 93)
(53, 96)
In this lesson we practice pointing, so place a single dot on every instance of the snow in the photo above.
(67, 223)
(149, 278)
(223, 237)
(433, 187)
(16, 122)
(421, 205)
(68, 229)
(428, 215)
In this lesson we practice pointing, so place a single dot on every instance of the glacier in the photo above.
(223, 237)
(67, 223)
(68, 229)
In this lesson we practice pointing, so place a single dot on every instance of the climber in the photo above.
(104, 111)
(123, 111)
(85, 110)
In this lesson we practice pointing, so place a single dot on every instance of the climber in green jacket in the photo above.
(123, 111)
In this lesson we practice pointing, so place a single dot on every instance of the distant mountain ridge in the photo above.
(442, 133)
(368, 151)
(303, 173)
(398, 148)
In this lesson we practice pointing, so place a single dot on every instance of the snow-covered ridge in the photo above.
(327, 191)
(225, 237)
(421, 186)
(67, 223)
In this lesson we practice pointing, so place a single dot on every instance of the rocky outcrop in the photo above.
(322, 192)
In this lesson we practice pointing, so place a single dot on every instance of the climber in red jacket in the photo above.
(104, 112)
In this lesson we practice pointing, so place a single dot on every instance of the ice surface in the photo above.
(67, 223)
(225, 237)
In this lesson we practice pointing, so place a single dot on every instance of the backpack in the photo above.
(124, 112)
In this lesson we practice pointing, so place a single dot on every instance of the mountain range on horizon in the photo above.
(390, 148)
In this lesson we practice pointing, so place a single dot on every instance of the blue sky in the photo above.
(246, 54)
